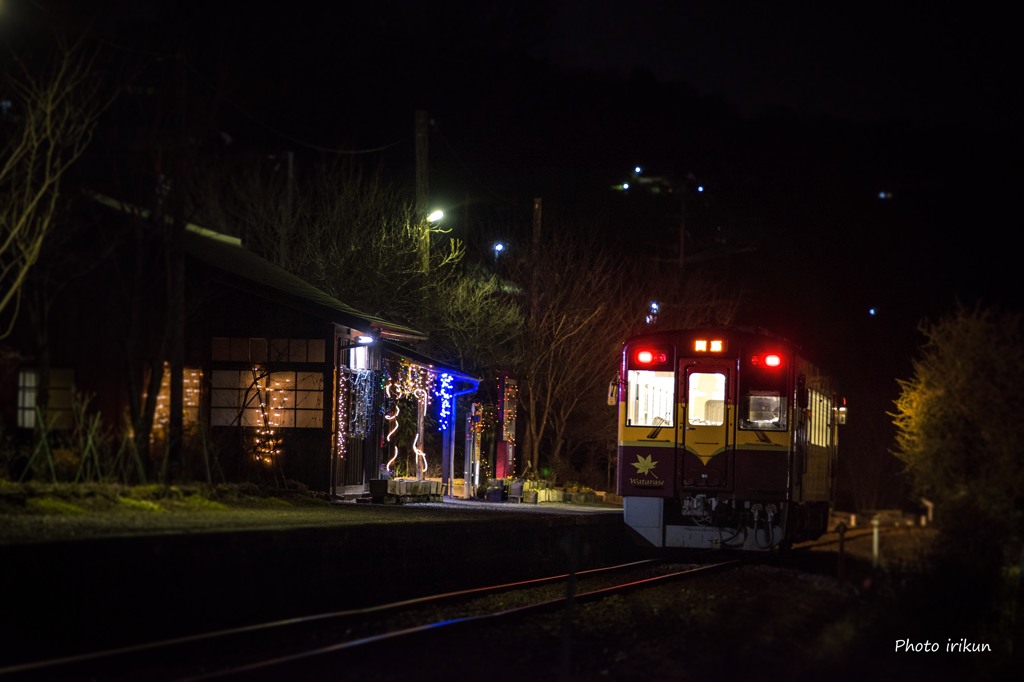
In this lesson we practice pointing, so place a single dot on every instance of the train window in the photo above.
(764, 410)
(650, 398)
(820, 409)
(706, 399)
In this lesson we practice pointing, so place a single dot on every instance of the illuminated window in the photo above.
(705, 402)
(191, 380)
(763, 411)
(650, 398)
(58, 409)
(260, 399)
(820, 406)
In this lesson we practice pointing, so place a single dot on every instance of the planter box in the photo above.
(379, 488)
(515, 491)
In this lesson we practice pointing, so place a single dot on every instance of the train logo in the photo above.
(645, 466)
(645, 471)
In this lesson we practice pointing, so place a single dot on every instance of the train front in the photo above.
(712, 451)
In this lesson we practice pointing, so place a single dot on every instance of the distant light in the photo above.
(872, 311)
(638, 170)
(436, 216)
(497, 247)
(885, 195)
(364, 339)
(625, 185)
(700, 188)
(652, 316)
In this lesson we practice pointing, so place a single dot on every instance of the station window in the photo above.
(276, 399)
(763, 411)
(650, 398)
(706, 399)
(191, 381)
(58, 410)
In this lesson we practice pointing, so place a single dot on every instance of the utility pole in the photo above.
(682, 228)
(533, 448)
(534, 260)
(422, 171)
(176, 265)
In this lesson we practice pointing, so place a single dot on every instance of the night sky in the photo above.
(871, 150)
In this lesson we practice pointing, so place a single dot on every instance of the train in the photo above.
(727, 439)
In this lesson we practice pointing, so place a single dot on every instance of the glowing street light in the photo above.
(435, 216)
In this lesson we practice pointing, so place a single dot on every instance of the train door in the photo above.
(705, 423)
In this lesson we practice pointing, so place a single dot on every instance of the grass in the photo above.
(33, 512)
(45, 512)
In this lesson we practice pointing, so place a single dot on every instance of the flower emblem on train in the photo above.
(645, 465)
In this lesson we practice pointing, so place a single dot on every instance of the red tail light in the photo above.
(770, 360)
(646, 356)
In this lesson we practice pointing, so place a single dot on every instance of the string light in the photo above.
(393, 418)
(266, 443)
(362, 402)
(342, 414)
(421, 396)
(191, 382)
(444, 393)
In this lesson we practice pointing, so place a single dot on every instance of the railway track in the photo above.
(267, 650)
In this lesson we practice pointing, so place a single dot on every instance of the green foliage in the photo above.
(959, 432)
(80, 498)
(139, 505)
(53, 505)
(958, 419)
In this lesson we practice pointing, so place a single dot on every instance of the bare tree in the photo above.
(475, 322)
(566, 348)
(51, 121)
(344, 229)
(584, 302)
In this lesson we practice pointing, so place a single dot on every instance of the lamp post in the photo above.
(434, 218)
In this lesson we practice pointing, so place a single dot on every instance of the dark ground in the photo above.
(781, 618)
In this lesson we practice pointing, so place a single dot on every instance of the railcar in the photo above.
(726, 439)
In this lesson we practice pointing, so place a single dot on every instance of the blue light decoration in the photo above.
(444, 393)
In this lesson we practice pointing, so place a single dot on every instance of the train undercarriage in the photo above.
(703, 522)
